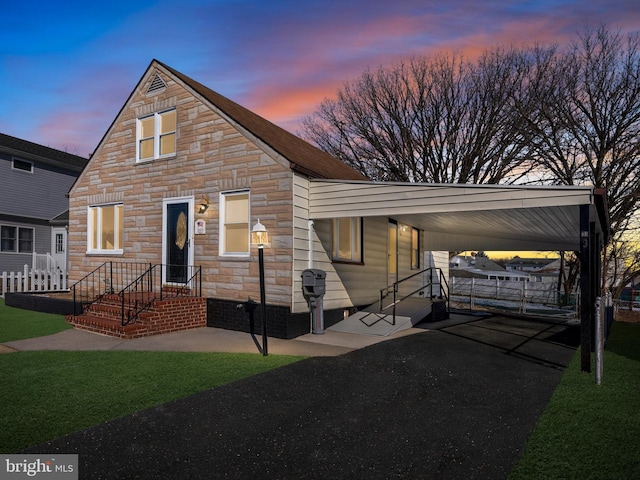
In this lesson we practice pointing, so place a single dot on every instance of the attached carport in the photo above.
(458, 217)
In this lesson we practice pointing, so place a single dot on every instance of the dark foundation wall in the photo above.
(39, 303)
(281, 323)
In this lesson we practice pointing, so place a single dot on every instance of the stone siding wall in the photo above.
(213, 156)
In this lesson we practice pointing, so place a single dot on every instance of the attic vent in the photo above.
(156, 84)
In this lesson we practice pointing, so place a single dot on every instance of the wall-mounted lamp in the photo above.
(203, 204)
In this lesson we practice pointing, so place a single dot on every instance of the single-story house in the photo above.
(183, 174)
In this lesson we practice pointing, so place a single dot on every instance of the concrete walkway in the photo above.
(206, 339)
(458, 402)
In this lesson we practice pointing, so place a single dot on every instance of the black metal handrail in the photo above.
(108, 278)
(139, 294)
(126, 278)
(443, 281)
(393, 288)
(91, 287)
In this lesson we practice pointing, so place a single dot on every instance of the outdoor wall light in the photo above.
(203, 204)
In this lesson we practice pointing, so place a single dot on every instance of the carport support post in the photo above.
(586, 308)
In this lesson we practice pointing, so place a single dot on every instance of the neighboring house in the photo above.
(518, 264)
(481, 267)
(545, 270)
(631, 291)
(518, 269)
(461, 261)
(547, 273)
(34, 181)
(183, 175)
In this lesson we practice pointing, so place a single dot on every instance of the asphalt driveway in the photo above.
(454, 403)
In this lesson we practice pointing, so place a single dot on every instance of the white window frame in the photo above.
(16, 239)
(356, 228)
(58, 243)
(13, 165)
(157, 122)
(223, 224)
(94, 215)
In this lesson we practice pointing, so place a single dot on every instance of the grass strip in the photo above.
(591, 431)
(47, 394)
(18, 324)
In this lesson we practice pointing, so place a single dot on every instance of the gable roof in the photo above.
(39, 153)
(303, 157)
(484, 263)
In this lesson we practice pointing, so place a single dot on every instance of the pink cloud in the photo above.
(287, 107)
(290, 65)
(95, 96)
(69, 132)
(333, 54)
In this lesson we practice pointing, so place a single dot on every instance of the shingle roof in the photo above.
(33, 151)
(304, 157)
(483, 263)
(531, 262)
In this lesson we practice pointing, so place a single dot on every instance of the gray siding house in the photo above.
(34, 208)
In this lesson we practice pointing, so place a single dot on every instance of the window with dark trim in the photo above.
(347, 239)
(16, 239)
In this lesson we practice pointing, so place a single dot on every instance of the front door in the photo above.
(392, 253)
(59, 247)
(177, 243)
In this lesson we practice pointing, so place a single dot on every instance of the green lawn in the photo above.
(18, 324)
(587, 431)
(47, 394)
(591, 431)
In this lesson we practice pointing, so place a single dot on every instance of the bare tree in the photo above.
(545, 115)
(429, 120)
(584, 107)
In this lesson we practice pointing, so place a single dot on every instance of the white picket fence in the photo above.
(33, 280)
(45, 261)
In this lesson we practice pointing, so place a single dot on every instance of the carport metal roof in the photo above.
(463, 217)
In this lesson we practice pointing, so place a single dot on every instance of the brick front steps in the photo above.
(164, 316)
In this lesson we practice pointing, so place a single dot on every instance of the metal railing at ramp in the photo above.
(398, 309)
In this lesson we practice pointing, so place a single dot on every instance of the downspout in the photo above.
(310, 247)
(310, 265)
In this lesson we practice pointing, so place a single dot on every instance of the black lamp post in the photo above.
(260, 237)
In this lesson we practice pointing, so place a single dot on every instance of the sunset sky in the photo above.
(67, 67)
